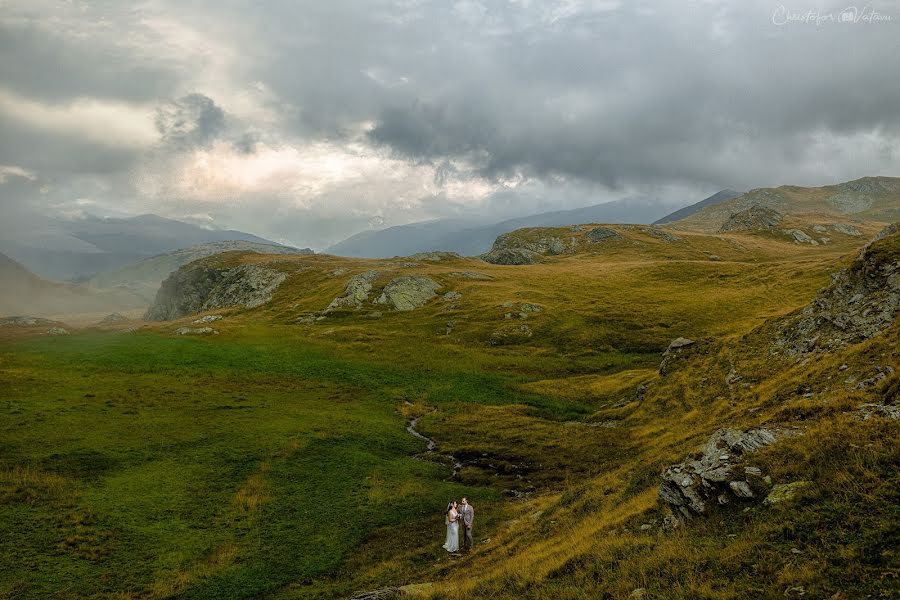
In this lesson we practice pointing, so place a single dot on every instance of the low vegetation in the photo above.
(273, 460)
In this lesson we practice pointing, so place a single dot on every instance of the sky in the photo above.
(307, 121)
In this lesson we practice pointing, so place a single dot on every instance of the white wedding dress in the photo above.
(452, 543)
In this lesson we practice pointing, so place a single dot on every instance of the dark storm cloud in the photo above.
(193, 120)
(573, 96)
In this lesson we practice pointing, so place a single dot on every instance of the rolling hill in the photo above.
(687, 211)
(75, 249)
(143, 277)
(24, 293)
(637, 412)
(467, 238)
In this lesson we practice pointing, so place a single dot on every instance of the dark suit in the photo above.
(467, 514)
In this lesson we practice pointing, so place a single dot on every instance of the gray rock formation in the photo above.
(846, 229)
(113, 319)
(356, 292)
(409, 293)
(602, 234)
(512, 256)
(26, 321)
(672, 353)
(207, 319)
(717, 476)
(800, 237)
(661, 234)
(752, 219)
(862, 301)
(196, 331)
(435, 256)
(525, 248)
(196, 288)
(470, 275)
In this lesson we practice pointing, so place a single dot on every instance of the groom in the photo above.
(468, 518)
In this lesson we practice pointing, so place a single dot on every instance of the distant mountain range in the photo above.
(144, 277)
(470, 238)
(76, 249)
(24, 293)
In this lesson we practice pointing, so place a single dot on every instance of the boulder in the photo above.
(408, 293)
(512, 256)
(452, 296)
(800, 237)
(435, 256)
(752, 219)
(672, 353)
(784, 492)
(694, 485)
(113, 318)
(602, 234)
(861, 301)
(198, 287)
(846, 229)
(196, 331)
(356, 292)
(207, 319)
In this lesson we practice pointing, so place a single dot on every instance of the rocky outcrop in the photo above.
(113, 319)
(846, 229)
(752, 219)
(196, 288)
(356, 292)
(409, 293)
(196, 331)
(602, 234)
(26, 322)
(435, 256)
(801, 237)
(512, 256)
(862, 301)
(719, 475)
(526, 247)
(673, 353)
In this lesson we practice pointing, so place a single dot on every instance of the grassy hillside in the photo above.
(870, 199)
(272, 458)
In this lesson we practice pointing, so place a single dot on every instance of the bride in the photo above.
(452, 543)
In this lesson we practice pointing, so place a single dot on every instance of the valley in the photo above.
(292, 425)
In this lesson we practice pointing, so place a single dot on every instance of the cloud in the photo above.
(7, 171)
(193, 120)
(307, 121)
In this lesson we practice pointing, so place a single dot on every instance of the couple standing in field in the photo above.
(456, 514)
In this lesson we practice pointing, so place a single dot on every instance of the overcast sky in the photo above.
(306, 121)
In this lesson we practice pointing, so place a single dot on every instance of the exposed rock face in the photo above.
(436, 256)
(862, 301)
(846, 229)
(195, 288)
(672, 353)
(356, 292)
(690, 487)
(113, 318)
(601, 234)
(512, 256)
(754, 218)
(207, 319)
(196, 331)
(517, 248)
(470, 275)
(409, 293)
(801, 237)
(661, 234)
(25, 321)
(784, 492)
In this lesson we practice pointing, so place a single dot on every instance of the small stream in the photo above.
(431, 448)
